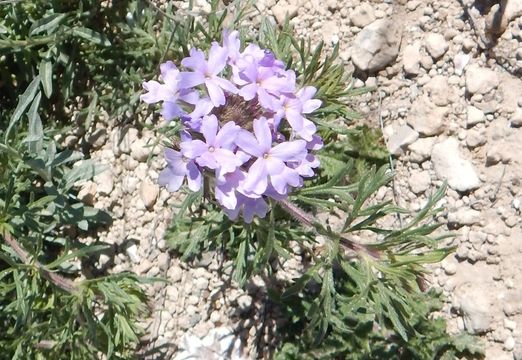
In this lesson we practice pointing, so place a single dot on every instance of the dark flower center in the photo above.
(239, 110)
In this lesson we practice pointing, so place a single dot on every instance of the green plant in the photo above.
(48, 309)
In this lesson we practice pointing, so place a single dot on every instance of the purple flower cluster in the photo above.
(244, 125)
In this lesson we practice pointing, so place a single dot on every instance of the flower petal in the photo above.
(190, 79)
(274, 166)
(216, 94)
(196, 61)
(170, 180)
(289, 150)
(248, 92)
(226, 137)
(254, 207)
(194, 178)
(217, 59)
(209, 128)
(263, 134)
(248, 143)
(171, 110)
(192, 149)
(175, 161)
(256, 180)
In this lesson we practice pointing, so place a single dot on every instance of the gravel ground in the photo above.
(449, 101)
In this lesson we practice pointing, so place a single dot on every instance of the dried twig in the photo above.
(58, 280)
(306, 219)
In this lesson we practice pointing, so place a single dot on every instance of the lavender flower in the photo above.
(207, 72)
(270, 160)
(235, 129)
(215, 152)
(169, 92)
(179, 167)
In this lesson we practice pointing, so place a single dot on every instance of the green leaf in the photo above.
(66, 156)
(84, 251)
(36, 136)
(91, 110)
(84, 170)
(46, 76)
(23, 102)
(48, 23)
(91, 35)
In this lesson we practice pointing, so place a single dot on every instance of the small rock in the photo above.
(87, 193)
(512, 10)
(97, 138)
(148, 194)
(480, 80)
(163, 261)
(475, 308)
(244, 303)
(460, 62)
(436, 45)
(411, 59)
(143, 267)
(426, 62)
(376, 45)
(123, 139)
(477, 238)
(516, 118)
(70, 141)
(509, 344)
(129, 184)
(420, 150)
(499, 152)
(468, 44)
(201, 283)
(172, 292)
(439, 91)
(283, 9)
(175, 273)
(139, 150)
(362, 15)
(474, 116)
(426, 118)
(450, 268)
(510, 324)
(475, 138)
(419, 182)
(449, 165)
(402, 136)
(104, 182)
(512, 221)
(132, 253)
(464, 216)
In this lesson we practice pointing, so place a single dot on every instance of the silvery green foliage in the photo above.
(46, 310)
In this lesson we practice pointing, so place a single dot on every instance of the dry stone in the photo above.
(401, 137)
(376, 46)
(451, 166)
(362, 15)
(411, 59)
(480, 80)
(436, 45)
(427, 118)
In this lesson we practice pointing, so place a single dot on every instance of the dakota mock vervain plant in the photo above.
(244, 125)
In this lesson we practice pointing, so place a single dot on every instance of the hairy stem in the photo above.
(307, 220)
(61, 282)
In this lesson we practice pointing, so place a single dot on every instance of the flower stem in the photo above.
(307, 220)
(61, 282)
